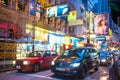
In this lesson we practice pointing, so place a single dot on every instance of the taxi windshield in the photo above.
(35, 54)
(73, 53)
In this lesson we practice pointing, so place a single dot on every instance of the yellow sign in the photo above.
(110, 32)
(39, 33)
(78, 22)
(67, 40)
(44, 4)
(72, 16)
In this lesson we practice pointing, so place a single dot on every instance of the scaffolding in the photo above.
(11, 24)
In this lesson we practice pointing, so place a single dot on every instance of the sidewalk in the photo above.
(5, 68)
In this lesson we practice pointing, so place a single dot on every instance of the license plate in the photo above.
(18, 67)
(60, 69)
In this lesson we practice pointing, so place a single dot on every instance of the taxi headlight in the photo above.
(14, 62)
(75, 64)
(52, 63)
(103, 60)
(26, 62)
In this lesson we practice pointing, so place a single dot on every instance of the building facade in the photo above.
(24, 23)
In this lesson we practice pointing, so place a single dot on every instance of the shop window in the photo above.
(13, 5)
(5, 2)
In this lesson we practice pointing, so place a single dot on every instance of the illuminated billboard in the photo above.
(34, 8)
(76, 23)
(72, 16)
(101, 24)
(57, 11)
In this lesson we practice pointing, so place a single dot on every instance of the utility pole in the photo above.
(33, 29)
(88, 27)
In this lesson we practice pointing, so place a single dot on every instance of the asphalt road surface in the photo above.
(101, 74)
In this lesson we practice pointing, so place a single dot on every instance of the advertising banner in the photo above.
(34, 8)
(101, 24)
(76, 23)
(72, 16)
(57, 11)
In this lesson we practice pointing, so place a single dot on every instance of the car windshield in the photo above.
(103, 55)
(115, 51)
(35, 54)
(73, 53)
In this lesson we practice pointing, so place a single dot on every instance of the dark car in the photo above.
(75, 62)
(104, 58)
(35, 61)
(116, 54)
(117, 66)
(116, 59)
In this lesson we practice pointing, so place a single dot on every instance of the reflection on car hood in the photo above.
(100, 58)
(29, 58)
(68, 59)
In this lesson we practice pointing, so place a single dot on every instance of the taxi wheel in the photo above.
(36, 67)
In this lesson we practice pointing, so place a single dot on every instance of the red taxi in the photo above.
(35, 61)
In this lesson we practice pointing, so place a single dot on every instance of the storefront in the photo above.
(25, 44)
(74, 41)
(67, 43)
(56, 42)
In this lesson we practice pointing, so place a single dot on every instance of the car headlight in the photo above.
(75, 64)
(103, 60)
(14, 62)
(52, 63)
(26, 62)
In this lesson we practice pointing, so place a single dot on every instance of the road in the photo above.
(101, 74)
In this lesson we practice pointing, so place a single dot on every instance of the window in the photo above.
(5, 2)
(53, 53)
(13, 4)
(93, 52)
(46, 54)
(87, 53)
(21, 6)
(35, 54)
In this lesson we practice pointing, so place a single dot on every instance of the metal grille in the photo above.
(19, 62)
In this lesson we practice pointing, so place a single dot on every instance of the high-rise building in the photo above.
(103, 6)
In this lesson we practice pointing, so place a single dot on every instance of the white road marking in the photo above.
(50, 74)
(39, 76)
(33, 75)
